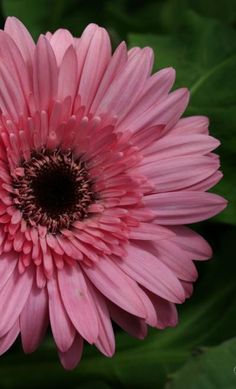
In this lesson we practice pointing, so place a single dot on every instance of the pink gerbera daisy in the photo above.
(98, 175)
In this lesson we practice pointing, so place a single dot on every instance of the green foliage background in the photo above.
(198, 38)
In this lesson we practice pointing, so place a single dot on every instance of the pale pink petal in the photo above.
(150, 272)
(176, 259)
(181, 145)
(44, 74)
(12, 100)
(191, 125)
(13, 297)
(192, 242)
(133, 325)
(156, 88)
(62, 327)
(167, 315)
(114, 67)
(106, 340)
(116, 286)
(68, 77)
(8, 263)
(166, 112)
(34, 319)
(11, 54)
(78, 302)
(71, 357)
(97, 58)
(7, 340)
(126, 86)
(177, 173)
(22, 38)
(60, 41)
(184, 207)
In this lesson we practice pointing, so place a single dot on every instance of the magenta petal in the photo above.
(34, 319)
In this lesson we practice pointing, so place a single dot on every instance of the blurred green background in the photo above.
(198, 38)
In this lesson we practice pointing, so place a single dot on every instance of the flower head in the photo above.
(98, 176)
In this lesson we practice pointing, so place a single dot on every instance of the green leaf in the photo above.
(204, 57)
(213, 368)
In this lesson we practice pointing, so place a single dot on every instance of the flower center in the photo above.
(52, 189)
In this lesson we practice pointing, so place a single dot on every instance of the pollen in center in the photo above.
(53, 190)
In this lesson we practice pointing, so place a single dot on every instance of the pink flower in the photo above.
(98, 175)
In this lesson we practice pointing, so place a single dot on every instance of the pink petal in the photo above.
(7, 340)
(97, 58)
(156, 88)
(131, 324)
(150, 272)
(11, 97)
(44, 74)
(62, 328)
(114, 67)
(60, 41)
(167, 315)
(181, 145)
(127, 84)
(11, 54)
(176, 259)
(22, 38)
(8, 263)
(78, 303)
(116, 286)
(13, 297)
(71, 358)
(184, 207)
(192, 242)
(191, 125)
(179, 173)
(68, 77)
(34, 319)
(166, 112)
(106, 340)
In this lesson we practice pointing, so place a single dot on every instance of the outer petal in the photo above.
(34, 319)
(191, 125)
(22, 38)
(127, 84)
(7, 265)
(62, 328)
(97, 58)
(116, 286)
(131, 324)
(179, 173)
(13, 297)
(150, 272)
(7, 340)
(192, 242)
(44, 74)
(71, 358)
(184, 207)
(106, 340)
(60, 41)
(78, 302)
